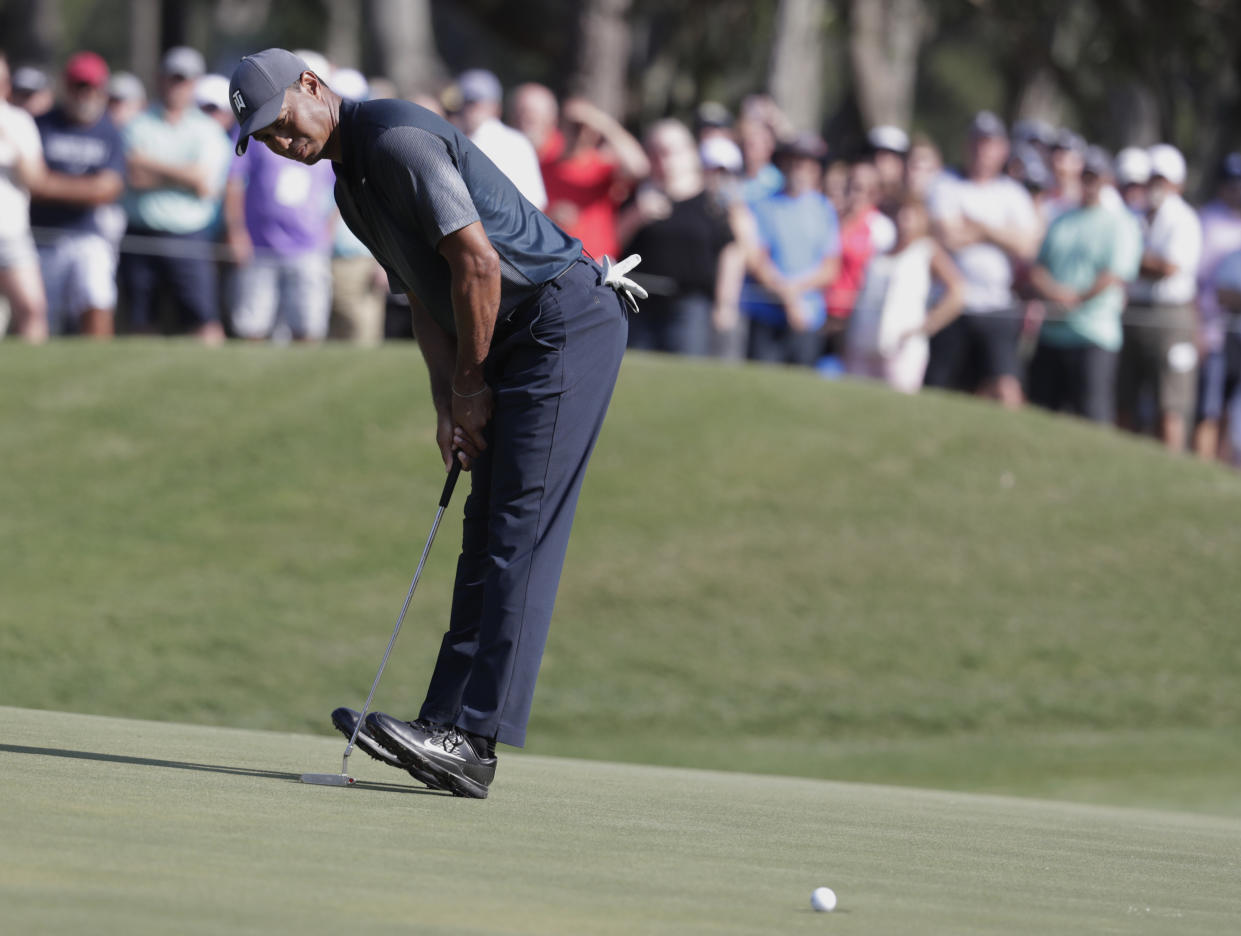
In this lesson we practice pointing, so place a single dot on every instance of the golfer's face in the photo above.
(295, 133)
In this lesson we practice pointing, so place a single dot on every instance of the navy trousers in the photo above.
(552, 367)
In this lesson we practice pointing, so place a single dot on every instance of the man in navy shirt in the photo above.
(523, 338)
(86, 162)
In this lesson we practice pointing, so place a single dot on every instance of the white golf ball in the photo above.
(823, 899)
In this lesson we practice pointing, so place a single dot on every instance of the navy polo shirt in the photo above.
(78, 150)
(408, 178)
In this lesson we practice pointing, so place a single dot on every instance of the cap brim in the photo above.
(263, 117)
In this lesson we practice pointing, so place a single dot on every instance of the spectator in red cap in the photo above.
(86, 172)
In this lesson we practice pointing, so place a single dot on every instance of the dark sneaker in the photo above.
(458, 762)
(346, 718)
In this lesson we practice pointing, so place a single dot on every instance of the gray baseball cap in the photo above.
(256, 91)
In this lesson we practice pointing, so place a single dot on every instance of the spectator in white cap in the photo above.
(127, 98)
(513, 154)
(989, 223)
(178, 160)
(211, 96)
(359, 284)
(1160, 343)
(1067, 153)
(1221, 236)
(21, 169)
(889, 147)
(32, 91)
(1133, 173)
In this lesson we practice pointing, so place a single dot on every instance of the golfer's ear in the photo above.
(310, 82)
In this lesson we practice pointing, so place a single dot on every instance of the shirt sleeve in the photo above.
(116, 153)
(415, 171)
(27, 140)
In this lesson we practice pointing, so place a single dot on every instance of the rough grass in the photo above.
(769, 572)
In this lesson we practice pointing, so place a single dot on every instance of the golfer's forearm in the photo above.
(475, 270)
(438, 349)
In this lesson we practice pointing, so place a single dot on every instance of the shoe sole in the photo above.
(412, 760)
(345, 718)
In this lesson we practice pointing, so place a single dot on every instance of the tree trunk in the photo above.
(145, 29)
(884, 39)
(603, 55)
(795, 80)
(404, 44)
(343, 43)
(32, 31)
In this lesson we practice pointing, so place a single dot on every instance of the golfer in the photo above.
(523, 338)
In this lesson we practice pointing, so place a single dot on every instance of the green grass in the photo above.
(127, 827)
(769, 572)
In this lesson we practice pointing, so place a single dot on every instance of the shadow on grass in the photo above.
(205, 768)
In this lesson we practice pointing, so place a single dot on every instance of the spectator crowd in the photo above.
(1044, 270)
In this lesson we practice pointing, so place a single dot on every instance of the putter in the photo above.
(343, 778)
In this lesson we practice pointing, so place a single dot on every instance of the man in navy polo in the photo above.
(523, 338)
(86, 158)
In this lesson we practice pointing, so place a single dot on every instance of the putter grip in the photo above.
(451, 481)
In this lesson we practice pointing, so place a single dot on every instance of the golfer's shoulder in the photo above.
(401, 133)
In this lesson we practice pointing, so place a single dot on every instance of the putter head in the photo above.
(328, 779)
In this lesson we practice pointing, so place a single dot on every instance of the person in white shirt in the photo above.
(1160, 325)
(892, 319)
(989, 223)
(513, 154)
(21, 168)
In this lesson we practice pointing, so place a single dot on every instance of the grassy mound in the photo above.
(129, 827)
(769, 572)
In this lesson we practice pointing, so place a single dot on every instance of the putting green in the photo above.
(115, 826)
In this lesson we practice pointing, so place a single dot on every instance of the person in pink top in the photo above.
(589, 163)
(864, 232)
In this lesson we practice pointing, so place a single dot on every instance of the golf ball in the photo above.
(823, 899)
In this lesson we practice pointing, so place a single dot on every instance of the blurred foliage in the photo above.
(1120, 71)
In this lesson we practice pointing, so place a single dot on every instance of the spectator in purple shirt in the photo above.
(279, 222)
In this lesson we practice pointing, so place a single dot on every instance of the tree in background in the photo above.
(1119, 71)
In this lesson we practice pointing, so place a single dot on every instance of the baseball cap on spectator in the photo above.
(183, 62)
(712, 114)
(1034, 131)
(125, 86)
(1096, 162)
(718, 152)
(256, 90)
(987, 124)
(350, 84)
(478, 84)
(1066, 139)
(211, 91)
(86, 68)
(805, 145)
(1032, 171)
(1230, 168)
(1167, 163)
(316, 62)
(888, 139)
(1133, 166)
(28, 79)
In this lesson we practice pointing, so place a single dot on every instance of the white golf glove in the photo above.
(615, 277)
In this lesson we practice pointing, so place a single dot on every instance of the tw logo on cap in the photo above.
(239, 103)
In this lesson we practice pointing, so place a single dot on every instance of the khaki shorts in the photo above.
(1159, 352)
